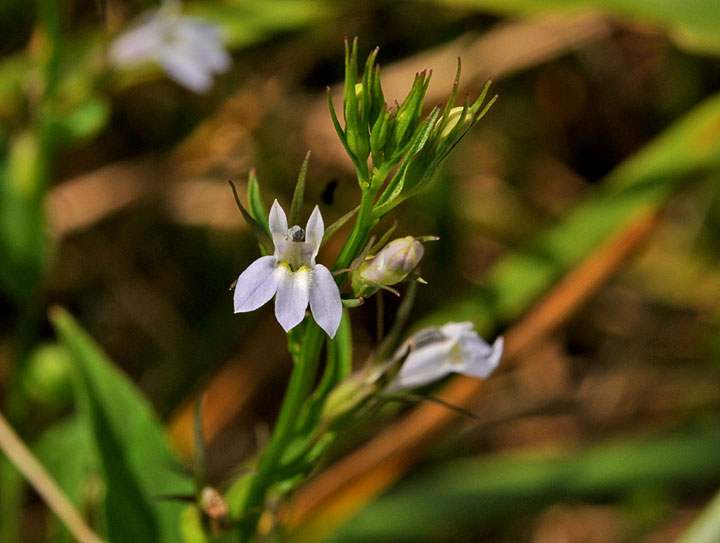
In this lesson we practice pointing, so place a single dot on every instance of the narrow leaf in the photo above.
(260, 233)
(299, 194)
(136, 460)
(334, 227)
(255, 204)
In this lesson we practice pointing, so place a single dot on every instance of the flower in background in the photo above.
(189, 50)
(292, 276)
(435, 352)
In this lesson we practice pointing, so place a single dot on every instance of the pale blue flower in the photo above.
(189, 50)
(292, 276)
(436, 352)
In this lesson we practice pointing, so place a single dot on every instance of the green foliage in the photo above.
(691, 147)
(138, 466)
(261, 233)
(693, 23)
(23, 240)
(66, 451)
(255, 203)
(246, 23)
(474, 494)
(706, 528)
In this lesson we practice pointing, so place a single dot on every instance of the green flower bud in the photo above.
(46, 378)
(453, 119)
(346, 397)
(390, 266)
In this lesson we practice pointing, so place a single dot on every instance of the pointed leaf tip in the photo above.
(299, 194)
(260, 233)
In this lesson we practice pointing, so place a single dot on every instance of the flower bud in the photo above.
(453, 118)
(390, 266)
(347, 397)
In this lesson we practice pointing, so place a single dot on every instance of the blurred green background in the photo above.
(114, 204)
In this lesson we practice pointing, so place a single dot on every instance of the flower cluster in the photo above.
(396, 152)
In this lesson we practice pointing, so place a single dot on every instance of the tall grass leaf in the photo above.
(137, 463)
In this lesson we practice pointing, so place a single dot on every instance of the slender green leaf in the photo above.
(137, 463)
(334, 227)
(299, 193)
(693, 23)
(458, 496)
(261, 234)
(66, 451)
(255, 203)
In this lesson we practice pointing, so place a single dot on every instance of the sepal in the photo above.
(259, 230)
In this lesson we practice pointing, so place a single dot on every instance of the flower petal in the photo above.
(314, 231)
(421, 367)
(256, 285)
(205, 42)
(456, 331)
(183, 68)
(325, 300)
(139, 44)
(277, 222)
(292, 297)
(481, 359)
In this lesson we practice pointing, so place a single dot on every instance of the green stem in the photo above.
(358, 236)
(301, 381)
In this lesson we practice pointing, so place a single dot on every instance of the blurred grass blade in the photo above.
(688, 148)
(65, 449)
(42, 482)
(23, 239)
(136, 460)
(706, 528)
(691, 23)
(471, 495)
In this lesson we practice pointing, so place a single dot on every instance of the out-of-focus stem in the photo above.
(23, 459)
(705, 528)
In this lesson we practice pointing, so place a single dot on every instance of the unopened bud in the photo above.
(347, 397)
(453, 119)
(390, 266)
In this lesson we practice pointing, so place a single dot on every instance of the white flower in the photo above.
(190, 50)
(292, 276)
(436, 352)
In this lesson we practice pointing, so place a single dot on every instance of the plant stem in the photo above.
(301, 381)
(358, 236)
(44, 484)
